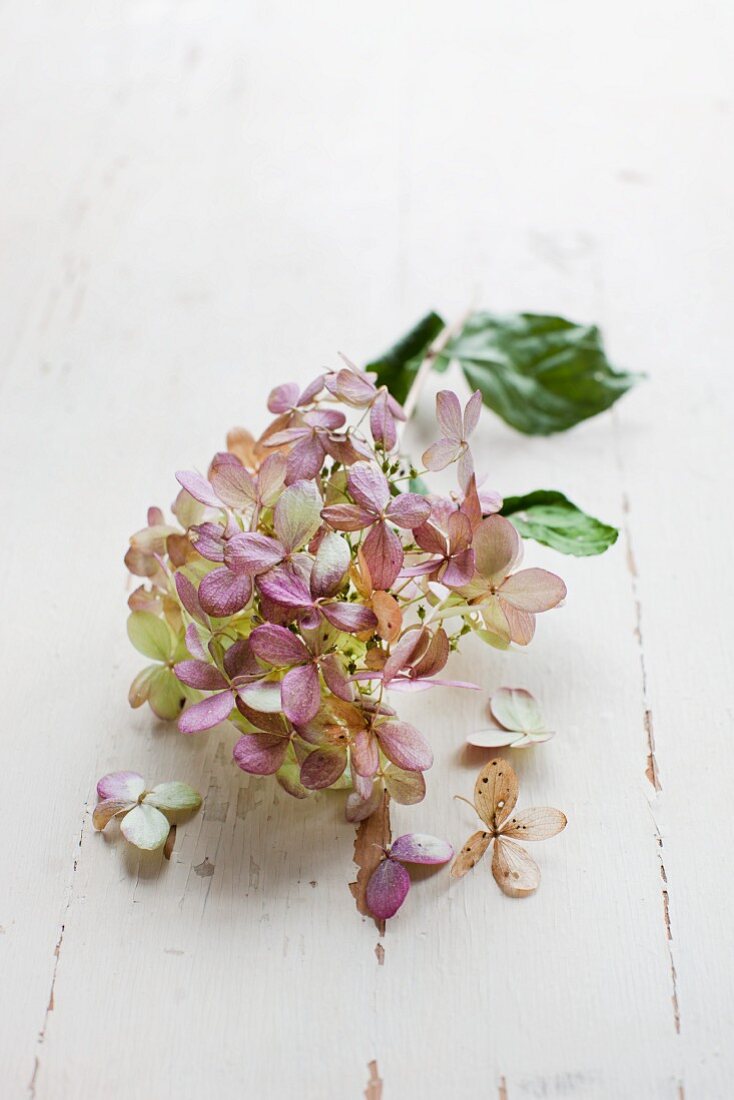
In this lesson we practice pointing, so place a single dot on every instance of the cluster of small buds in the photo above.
(300, 583)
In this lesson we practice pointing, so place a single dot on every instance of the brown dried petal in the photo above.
(495, 792)
(515, 872)
(470, 853)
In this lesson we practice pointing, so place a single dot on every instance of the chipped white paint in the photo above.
(198, 199)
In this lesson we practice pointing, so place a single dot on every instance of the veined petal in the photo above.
(431, 539)
(383, 552)
(495, 792)
(448, 414)
(198, 487)
(515, 872)
(305, 460)
(301, 694)
(353, 388)
(297, 515)
(208, 540)
(465, 468)
(408, 510)
(260, 753)
(382, 422)
(352, 618)
(233, 484)
(532, 589)
(251, 553)
(122, 786)
(537, 823)
(201, 675)
(421, 848)
(407, 788)
(188, 596)
(347, 517)
(282, 398)
(368, 486)
(173, 796)
(496, 620)
(460, 569)
(387, 889)
(435, 656)
(194, 643)
(471, 853)
(520, 623)
(322, 768)
(271, 479)
(206, 714)
(404, 745)
(330, 565)
(472, 412)
(145, 827)
(223, 592)
(285, 587)
(278, 646)
(496, 548)
(365, 753)
(517, 709)
(108, 808)
(441, 454)
(337, 677)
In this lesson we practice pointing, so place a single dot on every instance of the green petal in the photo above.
(166, 696)
(173, 796)
(145, 827)
(150, 635)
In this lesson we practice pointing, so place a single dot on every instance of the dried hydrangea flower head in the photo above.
(495, 796)
(517, 722)
(297, 584)
(141, 812)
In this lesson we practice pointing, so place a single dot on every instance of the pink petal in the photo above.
(198, 487)
(208, 540)
(358, 808)
(365, 753)
(491, 501)
(297, 515)
(239, 660)
(448, 414)
(404, 745)
(521, 624)
(382, 424)
(442, 454)
(194, 643)
(121, 786)
(459, 531)
(421, 848)
(285, 587)
(352, 618)
(271, 478)
(387, 889)
(327, 419)
(496, 548)
(206, 714)
(533, 590)
(322, 767)
(283, 398)
(289, 435)
(223, 592)
(465, 469)
(313, 389)
(233, 485)
(408, 510)
(301, 694)
(435, 656)
(459, 570)
(431, 539)
(201, 675)
(252, 553)
(347, 517)
(278, 646)
(383, 552)
(260, 753)
(305, 460)
(353, 388)
(188, 596)
(472, 412)
(330, 565)
(368, 486)
(337, 677)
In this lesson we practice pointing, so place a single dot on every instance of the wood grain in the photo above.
(200, 199)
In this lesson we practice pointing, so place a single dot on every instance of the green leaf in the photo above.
(551, 519)
(398, 366)
(150, 635)
(541, 374)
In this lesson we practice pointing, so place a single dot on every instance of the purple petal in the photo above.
(328, 419)
(223, 592)
(472, 412)
(387, 889)
(408, 510)
(352, 618)
(305, 460)
(260, 753)
(121, 786)
(239, 660)
(411, 645)
(383, 552)
(330, 565)
(368, 486)
(448, 414)
(194, 643)
(404, 745)
(431, 539)
(322, 767)
(348, 517)
(442, 454)
(491, 501)
(337, 677)
(353, 388)
(365, 753)
(188, 597)
(313, 389)
(421, 848)
(198, 487)
(283, 397)
(297, 515)
(252, 554)
(278, 646)
(206, 714)
(201, 675)
(301, 694)
(285, 587)
(208, 540)
(233, 484)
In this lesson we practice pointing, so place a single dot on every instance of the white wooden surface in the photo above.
(199, 199)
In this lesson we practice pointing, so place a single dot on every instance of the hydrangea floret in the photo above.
(301, 580)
